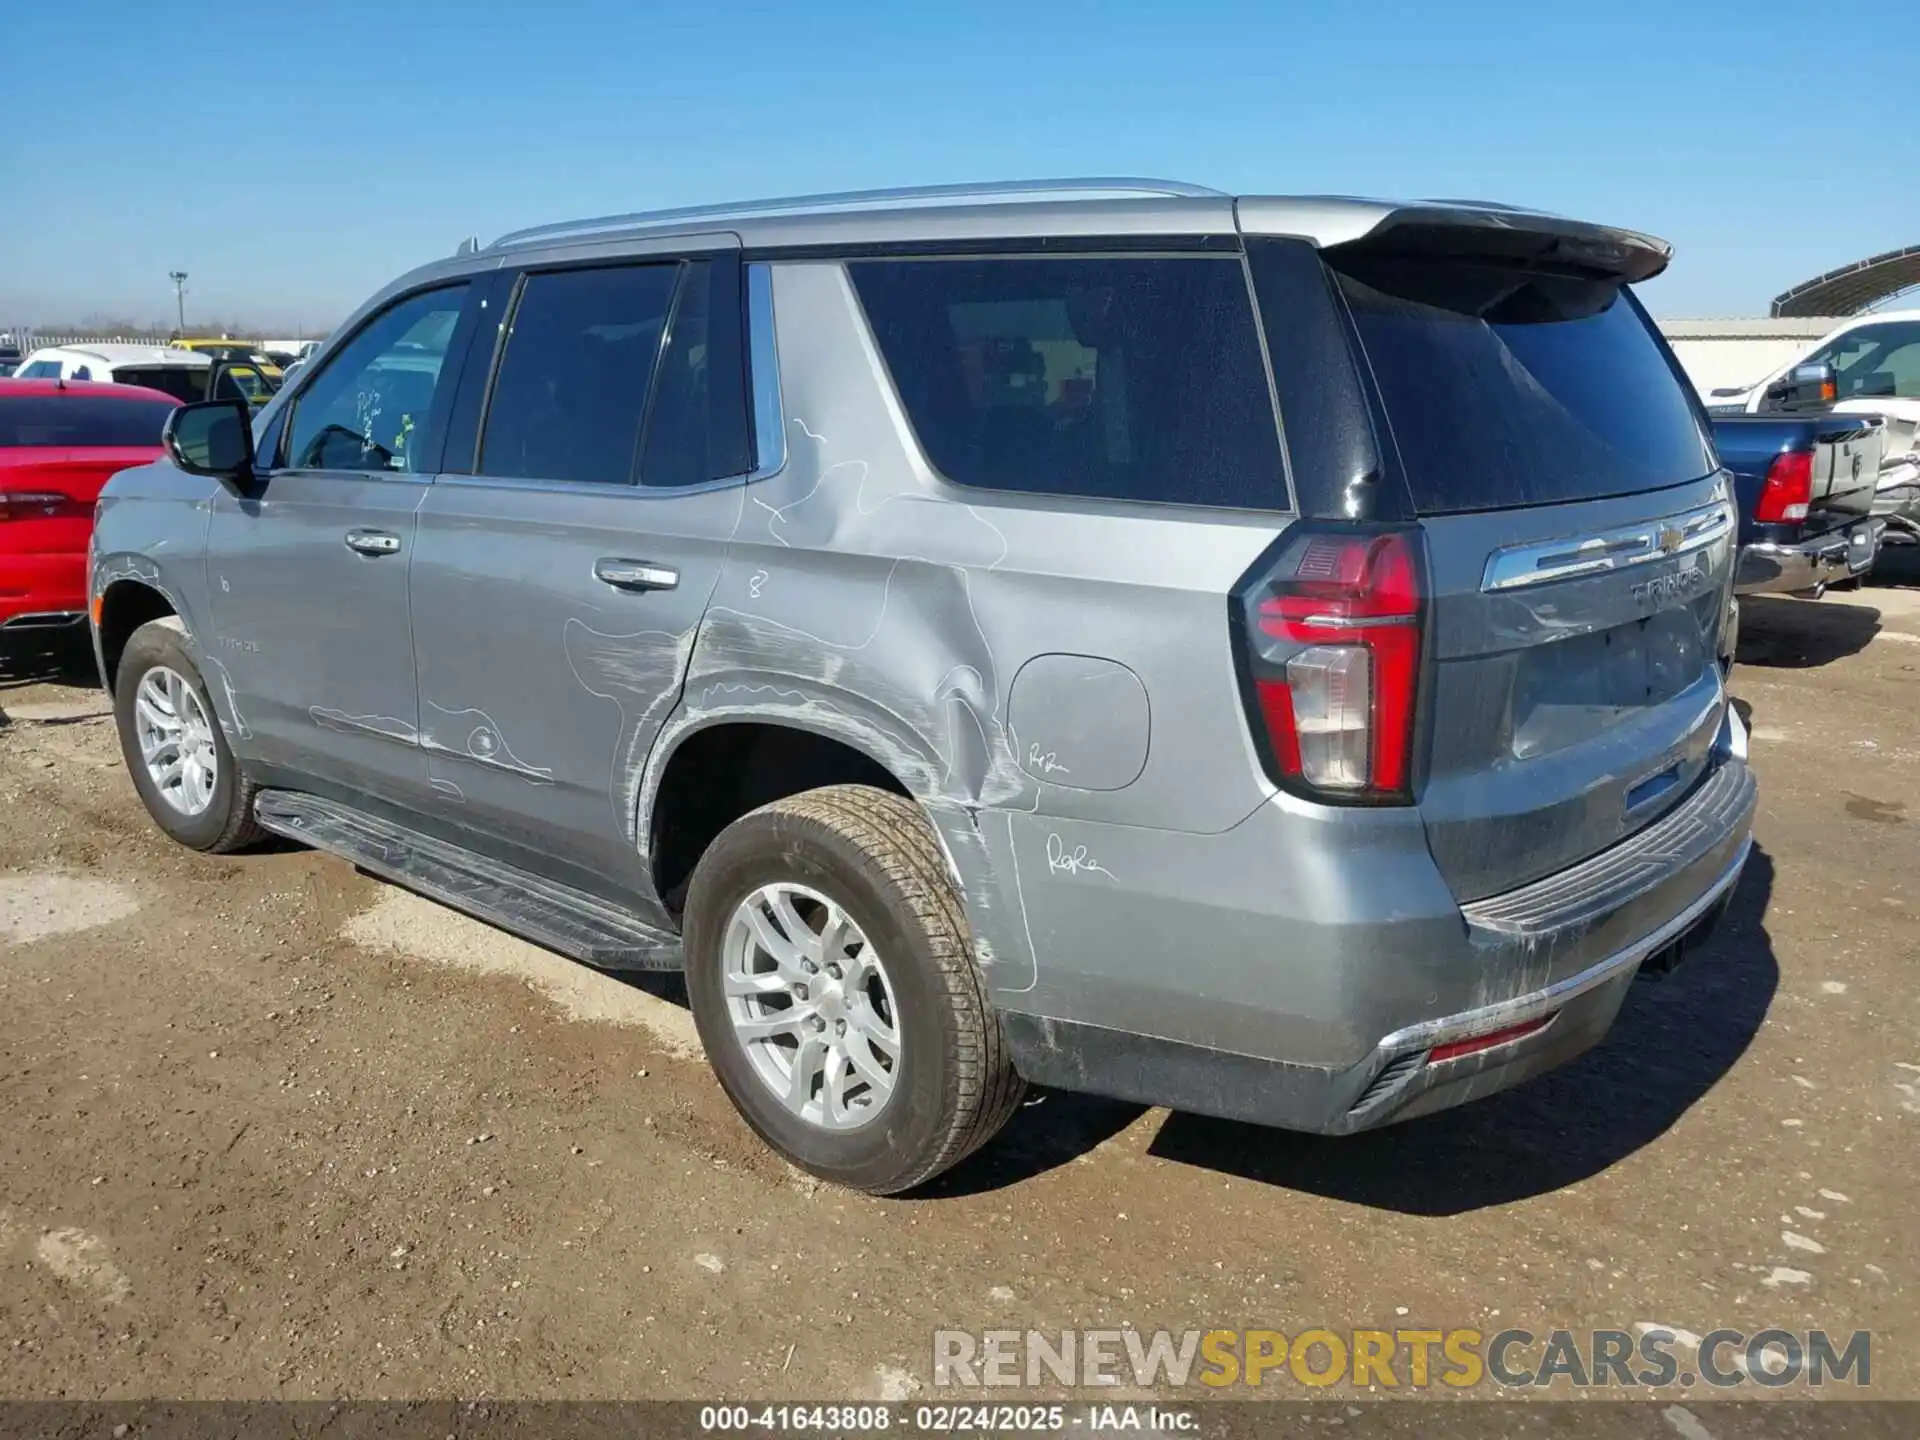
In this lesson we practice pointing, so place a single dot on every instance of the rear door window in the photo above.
(1116, 378)
(78, 422)
(1510, 387)
(571, 394)
(183, 382)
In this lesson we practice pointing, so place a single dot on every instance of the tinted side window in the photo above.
(571, 393)
(183, 382)
(697, 420)
(41, 370)
(1876, 362)
(369, 409)
(1123, 378)
(242, 382)
(76, 420)
(1508, 387)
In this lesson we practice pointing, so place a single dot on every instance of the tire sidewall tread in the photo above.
(875, 853)
(227, 824)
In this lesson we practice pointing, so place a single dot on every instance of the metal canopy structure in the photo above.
(1852, 288)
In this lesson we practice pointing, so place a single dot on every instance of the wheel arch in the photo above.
(716, 767)
(121, 607)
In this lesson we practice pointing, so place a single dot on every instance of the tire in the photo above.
(874, 855)
(225, 822)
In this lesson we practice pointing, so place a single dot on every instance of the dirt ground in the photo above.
(269, 1128)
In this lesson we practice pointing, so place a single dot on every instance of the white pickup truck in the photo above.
(1875, 360)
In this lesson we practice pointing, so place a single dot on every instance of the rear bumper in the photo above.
(1553, 959)
(1767, 568)
(1399, 1080)
(47, 589)
(43, 620)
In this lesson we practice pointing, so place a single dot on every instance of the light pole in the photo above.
(179, 278)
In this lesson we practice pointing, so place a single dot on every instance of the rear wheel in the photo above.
(831, 977)
(170, 736)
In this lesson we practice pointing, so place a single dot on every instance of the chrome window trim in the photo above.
(763, 375)
(1569, 557)
(587, 487)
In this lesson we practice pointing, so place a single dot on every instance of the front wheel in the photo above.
(174, 749)
(831, 978)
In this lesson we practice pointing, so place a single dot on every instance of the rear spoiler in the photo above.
(1456, 227)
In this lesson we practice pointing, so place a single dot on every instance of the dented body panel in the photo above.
(549, 748)
(313, 640)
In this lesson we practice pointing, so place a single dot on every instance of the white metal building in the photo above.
(1730, 353)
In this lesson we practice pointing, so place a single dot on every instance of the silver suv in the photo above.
(1258, 656)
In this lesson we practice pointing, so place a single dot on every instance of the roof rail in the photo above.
(1111, 188)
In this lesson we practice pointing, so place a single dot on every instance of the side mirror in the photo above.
(213, 437)
(1812, 385)
(1804, 386)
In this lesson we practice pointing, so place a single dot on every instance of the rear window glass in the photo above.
(183, 382)
(1508, 387)
(80, 422)
(1115, 378)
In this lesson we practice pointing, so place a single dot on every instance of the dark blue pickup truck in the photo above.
(1805, 488)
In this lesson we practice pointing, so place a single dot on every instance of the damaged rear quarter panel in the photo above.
(867, 599)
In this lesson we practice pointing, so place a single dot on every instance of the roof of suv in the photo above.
(120, 354)
(1062, 208)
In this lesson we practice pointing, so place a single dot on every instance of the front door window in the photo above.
(370, 408)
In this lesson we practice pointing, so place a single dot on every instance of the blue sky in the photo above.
(292, 157)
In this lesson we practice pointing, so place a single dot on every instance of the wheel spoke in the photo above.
(807, 1062)
(883, 1035)
(759, 982)
(782, 951)
(791, 1021)
(170, 772)
(805, 943)
(833, 1092)
(836, 933)
(867, 1064)
(198, 725)
(151, 715)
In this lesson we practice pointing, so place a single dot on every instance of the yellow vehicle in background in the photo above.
(233, 350)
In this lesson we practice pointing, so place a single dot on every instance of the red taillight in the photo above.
(1788, 490)
(1336, 631)
(30, 504)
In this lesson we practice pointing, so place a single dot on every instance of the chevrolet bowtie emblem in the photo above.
(1670, 538)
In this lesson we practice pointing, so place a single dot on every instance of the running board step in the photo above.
(581, 926)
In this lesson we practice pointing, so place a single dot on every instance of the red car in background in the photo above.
(59, 441)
